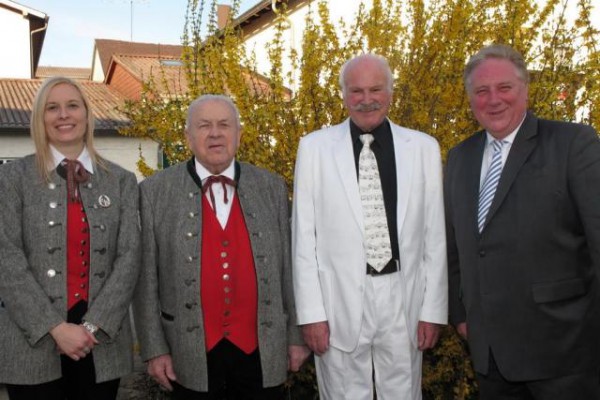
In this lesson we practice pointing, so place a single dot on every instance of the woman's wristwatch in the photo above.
(91, 328)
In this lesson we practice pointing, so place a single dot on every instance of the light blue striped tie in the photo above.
(490, 183)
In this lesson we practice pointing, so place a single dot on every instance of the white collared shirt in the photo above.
(84, 158)
(488, 153)
(223, 210)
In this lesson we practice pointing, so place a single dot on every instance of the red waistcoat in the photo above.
(228, 280)
(78, 253)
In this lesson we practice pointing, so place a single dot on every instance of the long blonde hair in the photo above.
(37, 127)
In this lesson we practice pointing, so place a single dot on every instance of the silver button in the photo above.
(226, 265)
(52, 186)
(226, 277)
(189, 234)
(53, 204)
(89, 185)
(192, 215)
(51, 223)
(51, 273)
(191, 195)
(223, 254)
(77, 295)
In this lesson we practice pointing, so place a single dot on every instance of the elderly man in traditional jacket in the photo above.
(214, 305)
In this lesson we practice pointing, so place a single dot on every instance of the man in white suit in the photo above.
(357, 318)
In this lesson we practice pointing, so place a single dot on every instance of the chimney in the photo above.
(223, 12)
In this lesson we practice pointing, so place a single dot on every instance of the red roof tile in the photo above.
(73, 73)
(106, 48)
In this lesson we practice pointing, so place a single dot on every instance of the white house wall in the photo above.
(16, 50)
(258, 41)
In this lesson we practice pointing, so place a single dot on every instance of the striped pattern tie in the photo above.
(490, 183)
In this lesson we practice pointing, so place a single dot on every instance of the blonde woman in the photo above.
(69, 258)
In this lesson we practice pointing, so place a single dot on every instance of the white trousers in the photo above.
(384, 351)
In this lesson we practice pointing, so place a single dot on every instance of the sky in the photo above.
(74, 24)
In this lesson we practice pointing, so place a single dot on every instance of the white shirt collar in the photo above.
(84, 158)
(203, 173)
(508, 139)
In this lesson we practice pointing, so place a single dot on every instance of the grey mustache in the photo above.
(367, 107)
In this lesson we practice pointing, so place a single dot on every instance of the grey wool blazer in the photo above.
(33, 278)
(171, 212)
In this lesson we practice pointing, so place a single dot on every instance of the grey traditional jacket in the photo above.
(171, 211)
(33, 278)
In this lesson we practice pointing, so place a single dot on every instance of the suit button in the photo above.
(51, 273)
(52, 186)
(481, 253)
(53, 204)
(225, 265)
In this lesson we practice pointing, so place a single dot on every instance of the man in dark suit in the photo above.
(214, 307)
(523, 227)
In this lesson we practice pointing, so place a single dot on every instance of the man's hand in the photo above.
(427, 335)
(316, 336)
(161, 369)
(296, 357)
(73, 340)
(462, 330)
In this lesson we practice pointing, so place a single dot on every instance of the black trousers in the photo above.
(232, 375)
(78, 380)
(580, 386)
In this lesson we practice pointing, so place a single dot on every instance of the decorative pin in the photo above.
(104, 201)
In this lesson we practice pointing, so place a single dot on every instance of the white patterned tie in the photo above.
(490, 183)
(379, 251)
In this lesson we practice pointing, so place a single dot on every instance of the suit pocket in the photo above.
(559, 290)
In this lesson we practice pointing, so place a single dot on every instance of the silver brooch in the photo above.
(104, 201)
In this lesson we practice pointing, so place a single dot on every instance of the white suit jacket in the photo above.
(328, 251)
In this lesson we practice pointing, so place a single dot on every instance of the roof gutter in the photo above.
(33, 32)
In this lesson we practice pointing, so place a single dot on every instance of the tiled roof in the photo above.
(16, 98)
(106, 48)
(146, 67)
(73, 73)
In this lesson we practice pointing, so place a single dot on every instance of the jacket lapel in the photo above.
(343, 155)
(404, 173)
(520, 150)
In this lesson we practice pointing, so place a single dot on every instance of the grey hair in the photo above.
(498, 51)
(212, 97)
(383, 64)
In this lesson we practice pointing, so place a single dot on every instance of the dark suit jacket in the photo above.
(527, 286)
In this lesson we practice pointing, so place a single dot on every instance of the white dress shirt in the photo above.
(223, 209)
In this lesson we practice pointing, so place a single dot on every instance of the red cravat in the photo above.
(76, 174)
(214, 179)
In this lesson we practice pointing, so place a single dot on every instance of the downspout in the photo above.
(33, 32)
